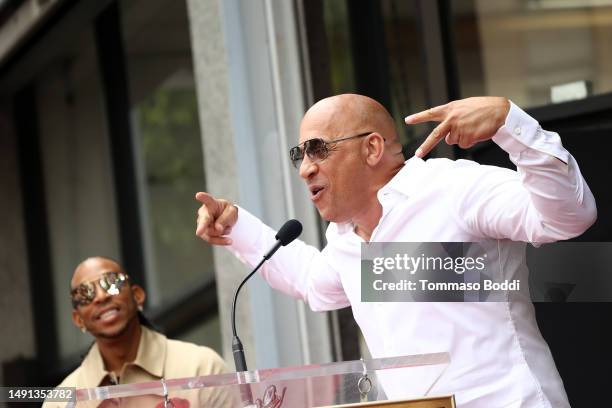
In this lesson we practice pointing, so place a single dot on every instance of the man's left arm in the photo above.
(550, 174)
(546, 199)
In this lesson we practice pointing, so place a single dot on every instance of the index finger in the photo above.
(433, 139)
(437, 113)
(205, 199)
(205, 211)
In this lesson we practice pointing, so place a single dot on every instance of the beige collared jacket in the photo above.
(158, 357)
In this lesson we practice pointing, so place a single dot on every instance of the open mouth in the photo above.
(316, 192)
(109, 314)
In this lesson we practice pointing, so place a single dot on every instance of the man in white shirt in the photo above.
(350, 158)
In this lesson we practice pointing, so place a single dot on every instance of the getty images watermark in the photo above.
(486, 271)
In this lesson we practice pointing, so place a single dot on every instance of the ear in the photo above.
(374, 149)
(76, 319)
(139, 295)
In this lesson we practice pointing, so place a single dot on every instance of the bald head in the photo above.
(346, 113)
(93, 267)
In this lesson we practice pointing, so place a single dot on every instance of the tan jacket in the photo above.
(158, 357)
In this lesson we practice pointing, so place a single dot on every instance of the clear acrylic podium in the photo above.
(318, 385)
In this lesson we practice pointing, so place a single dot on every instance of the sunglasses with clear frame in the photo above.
(316, 148)
(110, 282)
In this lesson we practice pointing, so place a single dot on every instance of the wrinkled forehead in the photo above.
(93, 269)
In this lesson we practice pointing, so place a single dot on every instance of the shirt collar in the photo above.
(150, 357)
(405, 182)
(151, 352)
(93, 367)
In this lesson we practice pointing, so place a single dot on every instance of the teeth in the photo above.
(108, 314)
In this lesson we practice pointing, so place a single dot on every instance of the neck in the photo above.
(365, 224)
(121, 349)
(367, 220)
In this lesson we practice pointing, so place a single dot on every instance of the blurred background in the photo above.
(114, 113)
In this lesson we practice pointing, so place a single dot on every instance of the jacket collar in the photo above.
(150, 357)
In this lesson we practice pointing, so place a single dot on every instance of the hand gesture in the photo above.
(216, 218)
(464, 122)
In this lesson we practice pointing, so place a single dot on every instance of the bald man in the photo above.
(350, 159)
(108, 307)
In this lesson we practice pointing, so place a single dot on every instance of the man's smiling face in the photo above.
(108, 315)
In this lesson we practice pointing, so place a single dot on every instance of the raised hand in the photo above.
(464, 122)
(216, 218)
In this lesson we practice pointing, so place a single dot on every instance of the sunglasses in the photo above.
(85, 293)
(316, 149)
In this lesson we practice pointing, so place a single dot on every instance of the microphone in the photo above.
(285, 235)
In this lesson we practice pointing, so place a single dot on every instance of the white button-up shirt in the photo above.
(498, 356)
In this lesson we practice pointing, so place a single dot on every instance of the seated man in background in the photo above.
(108, 306)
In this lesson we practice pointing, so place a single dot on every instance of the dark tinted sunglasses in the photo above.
(110, 282)
(316, 149)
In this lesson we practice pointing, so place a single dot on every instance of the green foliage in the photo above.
(170, 135)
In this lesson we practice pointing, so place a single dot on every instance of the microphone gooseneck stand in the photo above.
(287, 233)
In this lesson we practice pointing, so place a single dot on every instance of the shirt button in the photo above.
(517, 130)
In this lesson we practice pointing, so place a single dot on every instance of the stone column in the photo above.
(249, 85)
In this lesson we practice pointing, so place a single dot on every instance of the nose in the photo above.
(101, 294)
(308, 168)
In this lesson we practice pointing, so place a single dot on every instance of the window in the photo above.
(77, 173)
(168, 150)
(535, 52)
(374, 48)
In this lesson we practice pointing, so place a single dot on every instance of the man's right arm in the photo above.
(299, 270)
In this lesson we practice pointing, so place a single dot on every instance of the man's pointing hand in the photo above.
(464, 122)
(216, 218)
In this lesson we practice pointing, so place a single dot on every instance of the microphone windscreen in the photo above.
(289, 231)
